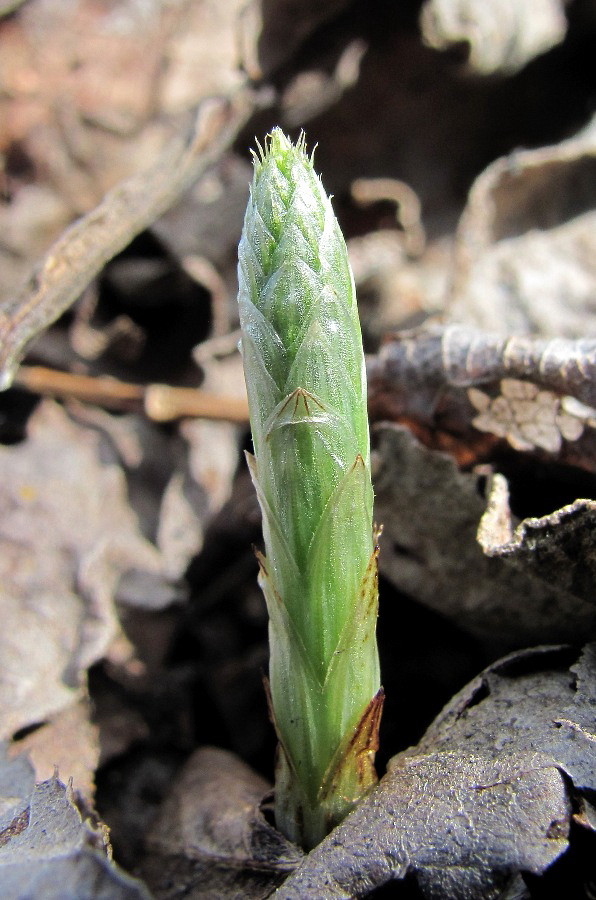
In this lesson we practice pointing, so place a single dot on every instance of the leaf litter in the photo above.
(488, 435)
(47, 849)
(68, 535)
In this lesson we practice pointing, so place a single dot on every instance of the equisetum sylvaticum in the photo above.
(306, 383)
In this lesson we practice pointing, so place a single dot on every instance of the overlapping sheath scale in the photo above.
(305, 377)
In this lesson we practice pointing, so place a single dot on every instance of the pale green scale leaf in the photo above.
(316, 362)
(304, 368)
(284, 561)
(337, 561)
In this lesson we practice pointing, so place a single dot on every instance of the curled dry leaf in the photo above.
(46, 850)
(541, 698)
(312, 92)
(487, 795)
(426, 362)
(210, 838)
(526, 243)
(559, 549)
(502, 36)
(67, 536)
(537, 394)
(435, 555)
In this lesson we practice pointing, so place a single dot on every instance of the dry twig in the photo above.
(160, 402)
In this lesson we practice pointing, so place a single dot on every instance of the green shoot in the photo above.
(306, 383)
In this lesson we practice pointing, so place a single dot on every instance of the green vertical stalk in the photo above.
(305, 376)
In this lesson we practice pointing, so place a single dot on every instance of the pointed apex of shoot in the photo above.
(279, 151)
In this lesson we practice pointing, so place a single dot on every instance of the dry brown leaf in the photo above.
(435, 557)
(502, 36)
(133, 204)
(181, 515)
(69, 742)
(90, 91)
(67, 536)
(559, 549)
(210, 839)
(196, 492)
(526, 245)
(47, 851)
(79, 92)
(199, 487)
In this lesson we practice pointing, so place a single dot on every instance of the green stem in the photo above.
(305, 376)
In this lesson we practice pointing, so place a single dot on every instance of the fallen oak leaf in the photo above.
(462, 827)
